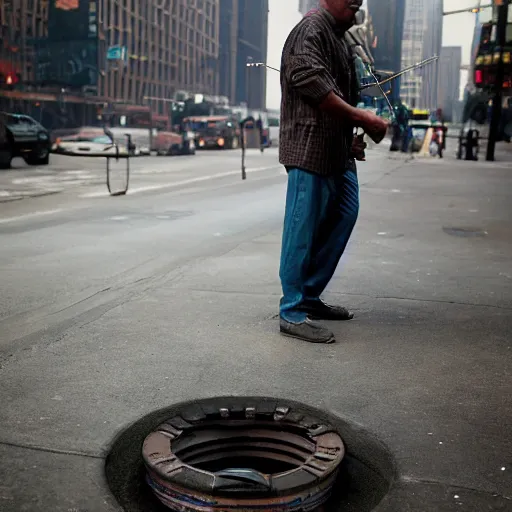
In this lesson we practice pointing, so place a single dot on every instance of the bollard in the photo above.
(472, 144)
(469, 145)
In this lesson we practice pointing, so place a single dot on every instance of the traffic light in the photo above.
(9, 80)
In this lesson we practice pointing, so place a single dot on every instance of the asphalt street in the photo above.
(113, 307)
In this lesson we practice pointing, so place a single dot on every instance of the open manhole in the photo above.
(465, 232)
(247, 454)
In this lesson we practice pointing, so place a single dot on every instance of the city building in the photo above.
(80, 54)
(243, 40)
(448, 84)
(387, 19)
(306, 5)
(228, 45)
(19, 24)
(405, 33)
(251, 82)
(422, 38)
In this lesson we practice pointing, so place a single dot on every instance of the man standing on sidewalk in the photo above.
(317, 146)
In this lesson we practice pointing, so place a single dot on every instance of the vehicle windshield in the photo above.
(16, 119)
(98, 139)
(208, 126)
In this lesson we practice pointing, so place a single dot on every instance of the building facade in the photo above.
(21, 21)
(251, 82)
(387, 19)
(448, 84)
(243, 40)
(422, 38)
(406, 32)
(96, 52)
(228, 45)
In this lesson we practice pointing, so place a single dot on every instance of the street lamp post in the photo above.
(249, 63)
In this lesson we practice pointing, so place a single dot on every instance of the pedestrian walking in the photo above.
(318, 149)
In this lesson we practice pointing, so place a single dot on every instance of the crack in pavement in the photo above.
(411, 480)
(81, 312)
(351, 294)
(56, 451)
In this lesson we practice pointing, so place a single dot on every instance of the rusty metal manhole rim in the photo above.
(204, 433)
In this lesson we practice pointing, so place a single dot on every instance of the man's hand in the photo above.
(357, 149)
(373, 125)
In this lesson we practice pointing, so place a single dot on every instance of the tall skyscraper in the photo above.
(406, 32)
(433, 41)
(387, 19)
(251, 82)
(448, 84)
(243, 39)
(388, 26)
(422, 38)
(228, 45)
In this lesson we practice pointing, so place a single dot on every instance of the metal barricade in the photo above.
(126, 181)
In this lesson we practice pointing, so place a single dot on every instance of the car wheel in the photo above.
(40, 156)
(6, 158)
(173, 150)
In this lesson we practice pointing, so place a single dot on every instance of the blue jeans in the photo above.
(319, 218)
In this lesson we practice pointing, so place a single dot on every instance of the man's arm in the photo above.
(306, 69)
(337, 107)
(307, 72)
(373, 125)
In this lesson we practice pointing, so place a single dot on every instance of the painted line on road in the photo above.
(30, 215)
(189, 181)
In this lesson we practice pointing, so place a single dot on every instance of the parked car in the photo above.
(90, 141)
(87, 143)
(174, 143)
(23, 136)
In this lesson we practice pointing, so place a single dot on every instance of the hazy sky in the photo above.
(283, 15)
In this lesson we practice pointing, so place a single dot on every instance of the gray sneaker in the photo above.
(308, 330)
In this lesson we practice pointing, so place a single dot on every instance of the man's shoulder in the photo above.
(308, 28)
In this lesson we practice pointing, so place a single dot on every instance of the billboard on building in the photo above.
(69, 56)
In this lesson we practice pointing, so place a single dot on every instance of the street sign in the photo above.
(116, 53)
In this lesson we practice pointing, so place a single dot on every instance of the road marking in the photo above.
(175, 184)
(29, 215)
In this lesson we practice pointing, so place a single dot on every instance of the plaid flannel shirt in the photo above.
(316, 60)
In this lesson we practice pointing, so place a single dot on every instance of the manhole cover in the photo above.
(247, 453)
(264, 457)
(465, 232)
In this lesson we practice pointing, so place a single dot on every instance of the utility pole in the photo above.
(497, 100)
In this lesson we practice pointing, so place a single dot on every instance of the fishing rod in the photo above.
(418, 65)
(377, 83)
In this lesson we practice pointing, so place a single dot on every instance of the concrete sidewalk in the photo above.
(425, 365)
